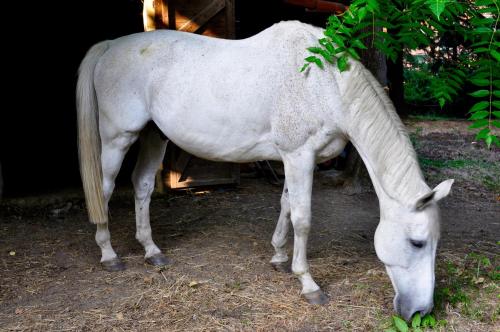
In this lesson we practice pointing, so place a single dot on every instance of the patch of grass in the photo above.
(469, 286)
(484, 172)
(452, 163)
(414, 137)
(492, 183)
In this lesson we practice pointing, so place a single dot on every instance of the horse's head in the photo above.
(406, 241)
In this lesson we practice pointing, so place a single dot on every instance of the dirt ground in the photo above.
(50, 276)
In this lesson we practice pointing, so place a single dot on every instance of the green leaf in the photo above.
(441, 102)
(496, 114)
(483, 2)
(317, 61)
(481, 50)
(342, 63)
(304, 67)
(400, 324)
(495, 123)
(390, 330)
(338, 40)
(482, 30)
(479, 106)
(432, 320)
(497, 143)
(496, 93)
(428, 321)
(479, 124)
(357, 43)
(437, 6)
(353, 53)
(415, 322)
(489, 140)
(315, 50)
(495, 54)
(480, 81)
(479, 115)
(480, 93)
(482, 133)
(496, 103)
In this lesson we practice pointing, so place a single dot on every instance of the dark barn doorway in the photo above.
(39, 152)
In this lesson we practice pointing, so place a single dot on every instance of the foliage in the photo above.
(417, 323)
(401, 26)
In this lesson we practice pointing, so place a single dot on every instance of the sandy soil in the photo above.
(50, 276)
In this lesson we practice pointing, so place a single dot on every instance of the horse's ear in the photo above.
(441, 191)
(424, 200)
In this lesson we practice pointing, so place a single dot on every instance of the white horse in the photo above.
(242, 101)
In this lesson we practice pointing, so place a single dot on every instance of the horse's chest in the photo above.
(332, 149)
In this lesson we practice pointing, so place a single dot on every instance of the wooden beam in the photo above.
(203, 16)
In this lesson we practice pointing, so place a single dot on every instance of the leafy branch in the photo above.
(401, 26)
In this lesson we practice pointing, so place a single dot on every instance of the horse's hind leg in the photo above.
(114, 147)
(151, 155)
(280, 234)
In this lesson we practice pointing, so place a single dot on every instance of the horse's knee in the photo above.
(143, 187)
(301, 222)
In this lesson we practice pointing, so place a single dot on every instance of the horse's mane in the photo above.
(376, 127)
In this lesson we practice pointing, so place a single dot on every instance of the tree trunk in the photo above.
(355, 176)
(396, 84)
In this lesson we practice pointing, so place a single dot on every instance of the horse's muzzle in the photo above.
(404, 307)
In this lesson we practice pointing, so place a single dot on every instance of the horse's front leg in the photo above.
(278, 261)
(151, 154)
(299, 167)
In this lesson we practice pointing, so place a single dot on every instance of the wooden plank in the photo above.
(187, 171)
(230, 20)
(160, 12)
(203, 16)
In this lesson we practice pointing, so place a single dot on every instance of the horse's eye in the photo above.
(417, 244)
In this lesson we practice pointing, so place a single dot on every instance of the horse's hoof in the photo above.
(158, 259)
(283, 267)
(113, 265)
(316, 297)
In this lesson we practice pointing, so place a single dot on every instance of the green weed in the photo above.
(417, 324)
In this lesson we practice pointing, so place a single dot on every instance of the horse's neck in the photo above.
(382, 142)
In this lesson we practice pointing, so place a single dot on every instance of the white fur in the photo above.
(243, 101)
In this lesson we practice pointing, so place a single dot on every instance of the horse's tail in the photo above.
(89, 142)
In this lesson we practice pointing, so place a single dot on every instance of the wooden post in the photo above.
(230, 20)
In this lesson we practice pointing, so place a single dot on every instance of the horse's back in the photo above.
(218, 99)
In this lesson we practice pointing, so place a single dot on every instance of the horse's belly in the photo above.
(251, 150)
(209, 136)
